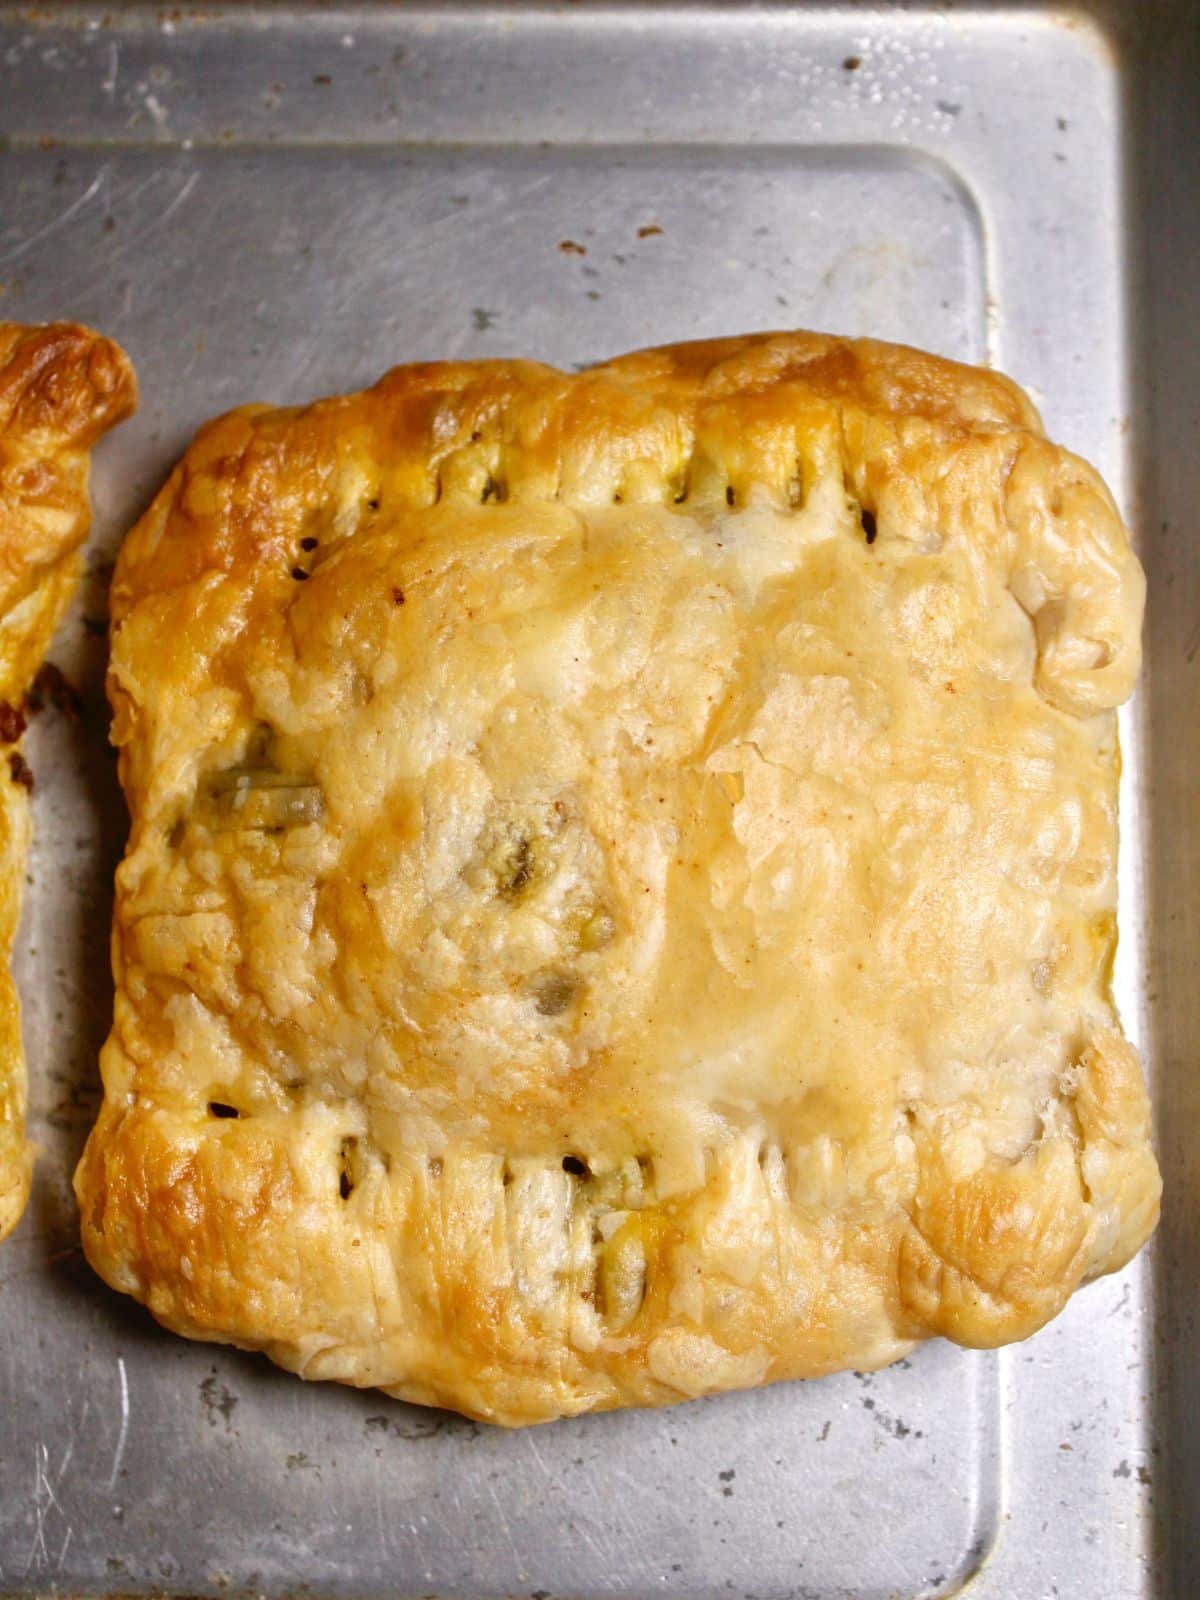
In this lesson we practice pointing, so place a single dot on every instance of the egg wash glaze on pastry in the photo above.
(621, 891)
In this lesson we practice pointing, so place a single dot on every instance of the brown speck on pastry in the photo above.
(52, 687)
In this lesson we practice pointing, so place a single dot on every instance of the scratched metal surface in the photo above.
(274, 203)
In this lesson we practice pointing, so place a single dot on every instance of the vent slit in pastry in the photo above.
(347, 1168)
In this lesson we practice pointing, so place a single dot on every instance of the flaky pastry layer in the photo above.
(61, 388)
(621, 889)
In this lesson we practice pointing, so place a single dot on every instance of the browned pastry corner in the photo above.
(61, 388)
(621, 891)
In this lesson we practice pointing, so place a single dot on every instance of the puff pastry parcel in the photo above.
(621, 890)
(61, 387)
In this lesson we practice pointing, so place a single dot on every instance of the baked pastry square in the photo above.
(61, 388)
(620, 898)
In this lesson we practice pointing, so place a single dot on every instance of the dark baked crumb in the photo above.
(649, 230)
(20, 769)
(309, 543)
(12, 723)
(397, 595)
(570, 248)
(299, 574)
(53, 687)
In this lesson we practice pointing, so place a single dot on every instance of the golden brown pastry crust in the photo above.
(61, 387)
(621, 888)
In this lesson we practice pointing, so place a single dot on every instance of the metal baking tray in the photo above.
(271, 203)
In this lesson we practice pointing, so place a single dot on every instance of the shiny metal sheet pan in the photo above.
(268, 202)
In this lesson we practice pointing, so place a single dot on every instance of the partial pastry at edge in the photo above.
(621, 891)
(61, 387)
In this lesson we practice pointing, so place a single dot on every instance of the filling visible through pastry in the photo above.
(621, 890)
(61, 388)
